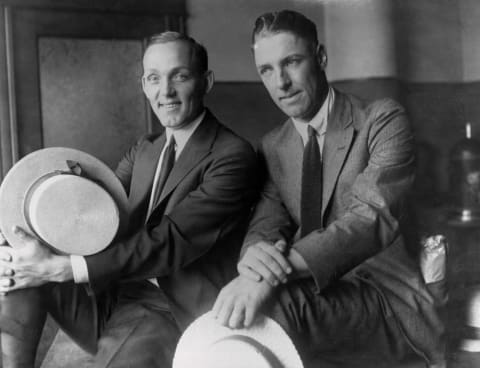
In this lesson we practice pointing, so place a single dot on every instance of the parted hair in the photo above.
(285, 21)
(199, 53)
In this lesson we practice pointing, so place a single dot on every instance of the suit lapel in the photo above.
(197, 147)
(338, 139)
(146, 165)
(290, 151)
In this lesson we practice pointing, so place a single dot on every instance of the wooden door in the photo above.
(70, 74)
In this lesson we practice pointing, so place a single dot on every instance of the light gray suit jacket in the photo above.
(368, 170)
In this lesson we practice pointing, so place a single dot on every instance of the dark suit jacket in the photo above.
(368, 169)
(191, 241)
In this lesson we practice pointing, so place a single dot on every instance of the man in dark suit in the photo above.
(129, 303)
(328, 252)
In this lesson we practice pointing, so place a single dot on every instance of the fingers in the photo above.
(266, 261)
(250, 314)
(228, 309)
(255, 266)
(248, 272)
(5, 254)
(6, 271)
(218, 304)
(6, 285)
(6, 277)
(236, 316)
(224, 313)
(240, 301)
(5, 268)
(276, 252)
(281, 246)
(3, 241)
(22, 234)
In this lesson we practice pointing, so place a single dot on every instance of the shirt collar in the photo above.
(182, 135)
(320, 120)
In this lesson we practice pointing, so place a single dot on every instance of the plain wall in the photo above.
(424, 53)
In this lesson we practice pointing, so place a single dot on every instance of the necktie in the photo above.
(311, 202)
(167, 164)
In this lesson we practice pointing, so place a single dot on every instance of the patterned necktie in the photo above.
(311, 202)
(167, 164)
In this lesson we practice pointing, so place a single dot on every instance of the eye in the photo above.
(181, 77)
(153, 78)
(294, 61)
(264, 70)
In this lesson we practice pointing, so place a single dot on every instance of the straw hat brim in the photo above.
(206, 331)
(42, 162)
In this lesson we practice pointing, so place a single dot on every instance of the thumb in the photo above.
(22, 234)
(281, 245)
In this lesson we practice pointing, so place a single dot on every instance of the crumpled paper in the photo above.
(433, 258)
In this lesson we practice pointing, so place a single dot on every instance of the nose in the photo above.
(165, 88)
(282, 79)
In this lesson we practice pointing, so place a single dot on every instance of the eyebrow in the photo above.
(294, 55)
(174, 70)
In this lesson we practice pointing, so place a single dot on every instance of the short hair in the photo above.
(199, 52)
(286, 21)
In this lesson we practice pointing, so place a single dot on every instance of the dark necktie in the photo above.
(311, 203)
(167, 164)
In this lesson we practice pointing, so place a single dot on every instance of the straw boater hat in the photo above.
(69, 199)
(207, 344)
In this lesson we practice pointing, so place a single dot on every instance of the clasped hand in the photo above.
(266, 261)
(25, 266)
(262, 267)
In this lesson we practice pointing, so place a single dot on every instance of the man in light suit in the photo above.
(129, 304)
(328, 252)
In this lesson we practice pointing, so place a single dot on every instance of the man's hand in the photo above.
(30, 265)
(265, 261)
(239, 302)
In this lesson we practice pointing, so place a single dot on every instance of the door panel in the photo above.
(72, 77)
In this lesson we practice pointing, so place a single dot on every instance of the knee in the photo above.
(22, 313)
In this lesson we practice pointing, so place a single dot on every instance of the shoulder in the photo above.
(229, 151)
(384, 106)
(382, 124)
(140, 145)
(147, 138)
(276, 136)
(226, 148)
(226, 141)
(373, 108)
(376, 114)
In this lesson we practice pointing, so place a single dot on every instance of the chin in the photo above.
(168, 121)
(294, 113)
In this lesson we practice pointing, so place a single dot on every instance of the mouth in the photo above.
(169, 105)
(290, 96)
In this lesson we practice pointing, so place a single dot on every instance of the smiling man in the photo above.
(190, 192)
(327, 253)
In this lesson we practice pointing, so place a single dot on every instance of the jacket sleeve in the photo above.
(224, 194)
(372, 221)
(271, 221)
(125, 166)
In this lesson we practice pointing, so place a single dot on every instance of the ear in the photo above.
(209, 80)
(143, 85)
(322, 56)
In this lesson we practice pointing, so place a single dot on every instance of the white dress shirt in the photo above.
(319, 121)
(181, 135)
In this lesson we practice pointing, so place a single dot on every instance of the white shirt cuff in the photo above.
(79, 269)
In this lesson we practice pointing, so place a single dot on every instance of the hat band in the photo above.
(75, 169)
(264, 351)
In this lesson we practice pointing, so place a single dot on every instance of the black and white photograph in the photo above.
(240, 183)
